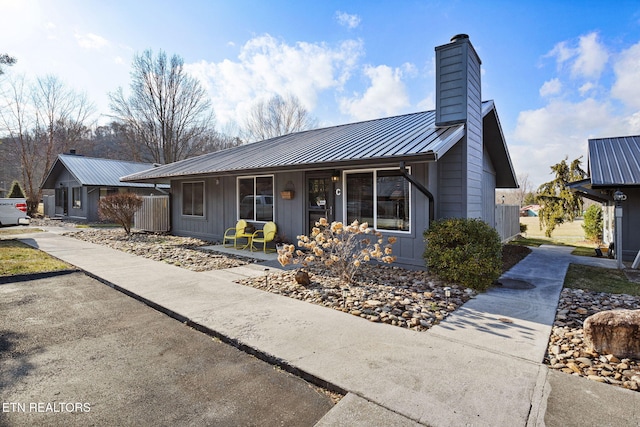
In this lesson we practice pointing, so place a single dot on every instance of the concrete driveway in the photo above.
(76, 352)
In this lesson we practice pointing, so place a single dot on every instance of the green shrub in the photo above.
(523, 228)
(465, 251)
(592, 225)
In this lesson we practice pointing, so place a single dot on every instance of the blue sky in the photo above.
(560, 72)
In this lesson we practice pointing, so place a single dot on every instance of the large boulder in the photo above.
(614, 332)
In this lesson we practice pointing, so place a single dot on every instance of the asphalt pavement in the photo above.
(74, 352)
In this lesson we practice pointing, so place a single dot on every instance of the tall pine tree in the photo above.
(558, 203)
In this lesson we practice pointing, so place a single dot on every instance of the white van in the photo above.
(14, 212)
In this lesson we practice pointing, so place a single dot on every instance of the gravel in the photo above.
(185, 252)
(567, 351)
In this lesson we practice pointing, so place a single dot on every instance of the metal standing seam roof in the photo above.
(92, 171)
(392, 137)
(614, 161)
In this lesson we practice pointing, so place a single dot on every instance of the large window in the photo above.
(76, 197)
(379, 197)
(193, 198)
(255, 198)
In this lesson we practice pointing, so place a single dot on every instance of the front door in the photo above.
(319, 199)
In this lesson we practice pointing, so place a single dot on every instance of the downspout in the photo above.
(421, 188)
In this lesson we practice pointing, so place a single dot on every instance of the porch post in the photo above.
(619, 196)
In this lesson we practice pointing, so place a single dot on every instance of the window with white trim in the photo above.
(193, 198)
(76, 197)
(255, 198)
(380, 198)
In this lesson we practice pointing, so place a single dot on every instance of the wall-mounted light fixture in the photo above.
(335, 176)
(289, 191)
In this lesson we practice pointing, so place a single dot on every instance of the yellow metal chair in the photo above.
(267, 234)
(235, 233)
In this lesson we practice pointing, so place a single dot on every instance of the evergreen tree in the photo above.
(593, 223)
(16, 191)
(558, 203)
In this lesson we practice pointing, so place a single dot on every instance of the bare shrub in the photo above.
(340, 248)
(120, 208)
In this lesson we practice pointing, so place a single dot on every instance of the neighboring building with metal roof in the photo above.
(396, 173)
(79, 183)
(614, 165)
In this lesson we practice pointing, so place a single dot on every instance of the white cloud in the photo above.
(267, 66)
(587, 87)
(627, 71)
(592, 57)
(589, 56)
(347, 20)
(561, 52)
(547, 135)
(551, 87)
(91, 41)
(386, 96)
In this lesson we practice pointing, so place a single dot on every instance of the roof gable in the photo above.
(614, 161)
(92, 171)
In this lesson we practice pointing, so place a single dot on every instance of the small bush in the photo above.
(340, 248)
(120, 208)
(523, 228)
(465, 251)
(592, 225)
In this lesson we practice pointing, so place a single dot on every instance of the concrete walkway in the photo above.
(480, 367)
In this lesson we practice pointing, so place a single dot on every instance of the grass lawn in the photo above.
(19, 258)
(568, 234)
(19, 231)
(598, 279)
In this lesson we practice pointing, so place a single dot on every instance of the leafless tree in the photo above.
(277, 116)
(42, 120)
(6, 60)
(524, 188)
(167, 113)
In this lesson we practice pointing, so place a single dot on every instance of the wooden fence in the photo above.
(507, 221)
(154, 215)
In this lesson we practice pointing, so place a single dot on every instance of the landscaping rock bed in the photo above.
(567, 351)
(183, 252)
(385, 294)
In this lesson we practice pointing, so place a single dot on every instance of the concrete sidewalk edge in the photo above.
(265, 357)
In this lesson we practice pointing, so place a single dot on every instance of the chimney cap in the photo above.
(460, 37)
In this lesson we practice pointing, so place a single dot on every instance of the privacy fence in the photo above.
(154, 215)
(507, 221)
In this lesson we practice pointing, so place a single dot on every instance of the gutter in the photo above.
(421, 188)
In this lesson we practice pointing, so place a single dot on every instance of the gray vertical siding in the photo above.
(290, 214)
(206, 227)
(451, 201)
(474, 136)
(488, 191)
